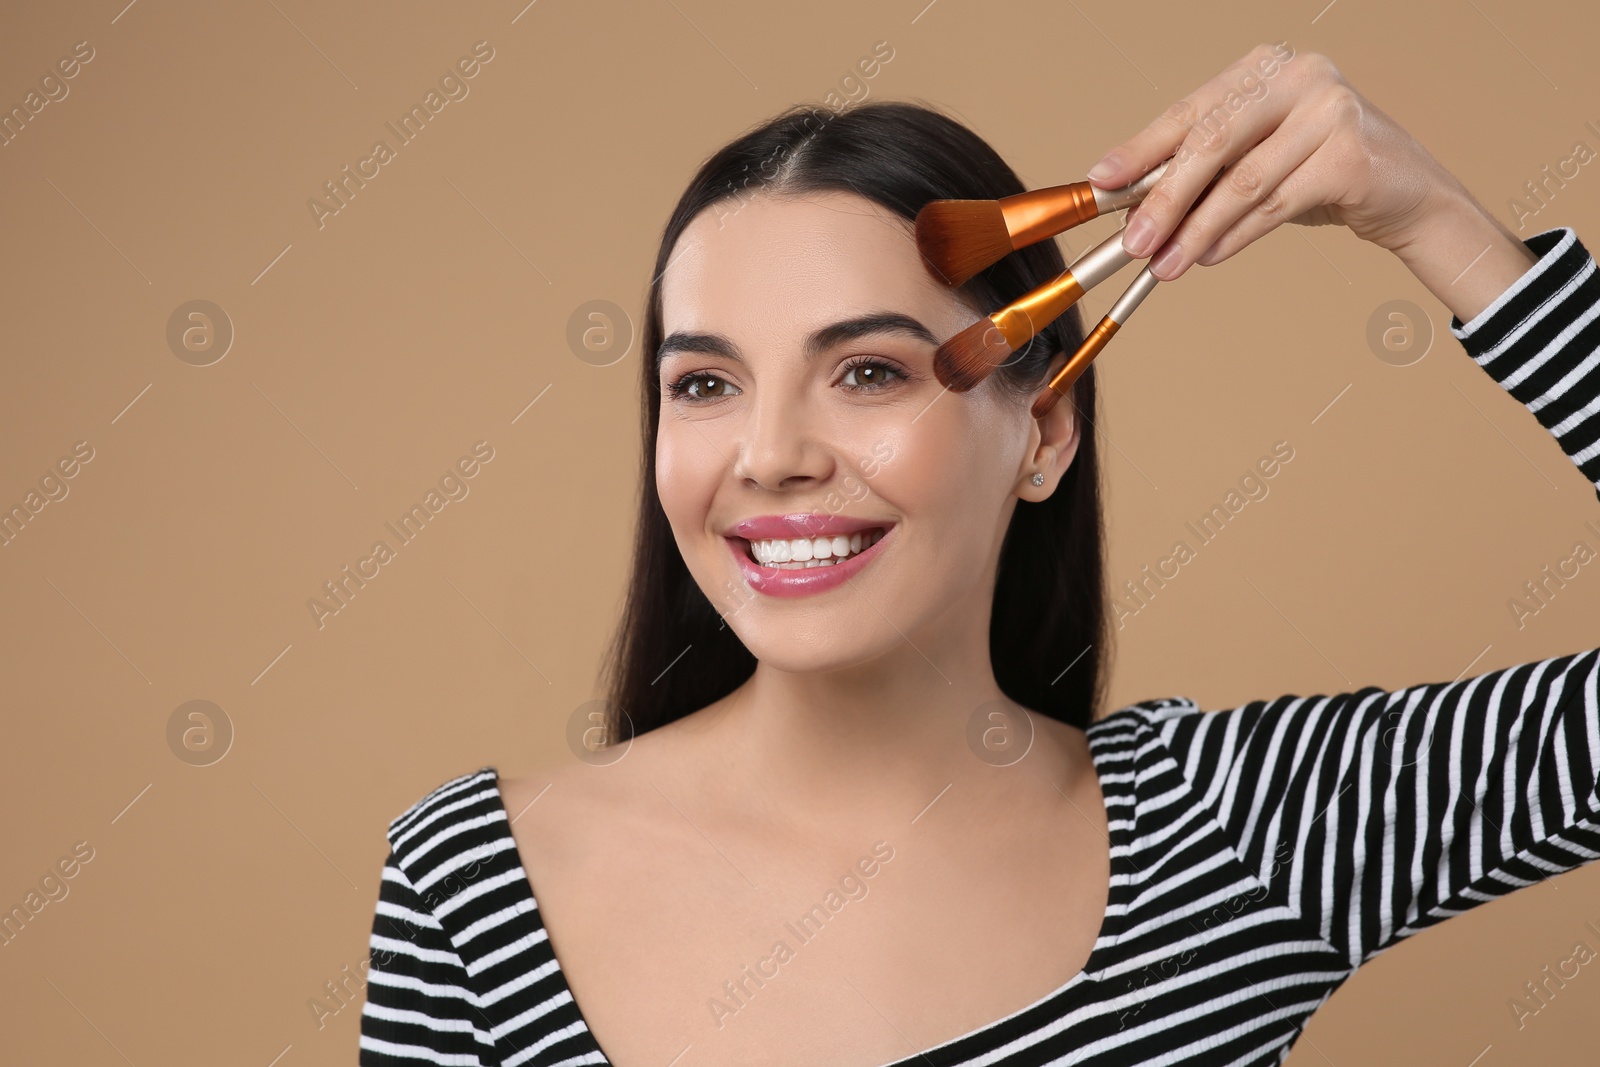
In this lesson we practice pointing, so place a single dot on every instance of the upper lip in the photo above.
(804, 524)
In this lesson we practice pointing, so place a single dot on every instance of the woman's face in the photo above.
(799, 406)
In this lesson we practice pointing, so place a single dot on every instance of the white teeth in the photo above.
(798, 552)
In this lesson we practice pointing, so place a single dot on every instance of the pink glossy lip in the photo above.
(803, 524)
(806, 581)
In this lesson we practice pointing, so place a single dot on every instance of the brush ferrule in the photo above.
(1023, 318)
(1062, 382)
(1040, 213)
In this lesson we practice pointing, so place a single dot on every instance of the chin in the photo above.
(801, 650)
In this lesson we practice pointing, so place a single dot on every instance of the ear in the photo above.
(1057, 441)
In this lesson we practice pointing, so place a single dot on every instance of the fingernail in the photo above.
(1165, 262)
(1140, 231)
(1105, 168)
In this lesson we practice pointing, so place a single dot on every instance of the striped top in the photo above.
(1259, 855)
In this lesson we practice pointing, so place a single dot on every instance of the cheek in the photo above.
(687, 474)
(951, 473)
(922, 472)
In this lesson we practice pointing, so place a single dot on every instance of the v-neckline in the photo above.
(1117, 893)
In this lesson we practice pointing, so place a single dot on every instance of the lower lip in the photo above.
(802, 581)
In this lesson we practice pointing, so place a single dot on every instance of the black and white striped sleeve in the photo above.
(1397, 810)
(1540, 340)
(419, 1006)
(1383, 813)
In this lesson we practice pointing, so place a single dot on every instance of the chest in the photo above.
(731, 950)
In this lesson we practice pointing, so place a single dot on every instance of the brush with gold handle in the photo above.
(1060, 384)
(959, 238)
(973, 354)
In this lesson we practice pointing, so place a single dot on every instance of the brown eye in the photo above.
(716, 387)
(694, 387)
(869, 374)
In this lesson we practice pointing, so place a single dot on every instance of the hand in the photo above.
(1299, 145)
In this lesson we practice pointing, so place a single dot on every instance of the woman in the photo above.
(814, 851)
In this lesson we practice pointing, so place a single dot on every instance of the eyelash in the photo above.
(679, 390)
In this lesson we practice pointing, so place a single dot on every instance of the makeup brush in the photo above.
(961, 237)
(1061, 384)
(973, 354)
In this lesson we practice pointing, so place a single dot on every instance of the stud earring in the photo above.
(1038, 479)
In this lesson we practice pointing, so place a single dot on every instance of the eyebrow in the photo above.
(817, 342)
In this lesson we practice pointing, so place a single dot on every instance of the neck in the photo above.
(879, 744)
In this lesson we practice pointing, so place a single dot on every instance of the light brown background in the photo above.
(432, 310)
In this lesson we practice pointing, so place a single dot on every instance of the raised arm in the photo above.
(1399, 809)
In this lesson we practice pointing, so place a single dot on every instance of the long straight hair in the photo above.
(672, 652)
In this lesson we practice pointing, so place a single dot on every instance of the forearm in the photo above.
(1463, 254)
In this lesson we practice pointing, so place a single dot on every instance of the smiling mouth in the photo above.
(797, 553)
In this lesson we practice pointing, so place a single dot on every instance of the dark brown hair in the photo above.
(672, 653)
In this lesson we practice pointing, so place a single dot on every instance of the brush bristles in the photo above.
(959, 238)
(971, 356)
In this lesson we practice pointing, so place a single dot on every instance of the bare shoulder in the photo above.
(1072, 764)
(559, 812)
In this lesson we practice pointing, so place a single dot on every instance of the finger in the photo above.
(1133, 212)
(1212, 143)
(1207, 129)
(1246, 183)
(1299, 192)
(1136, 156)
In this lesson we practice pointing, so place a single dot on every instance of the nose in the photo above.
(781, 446)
